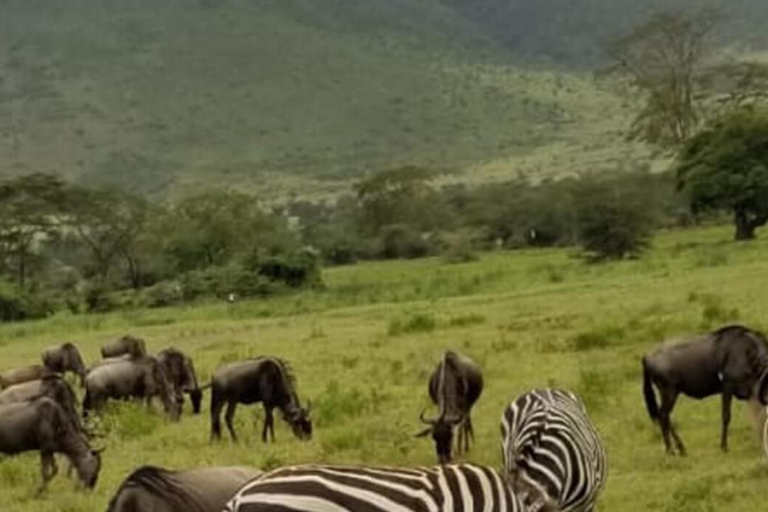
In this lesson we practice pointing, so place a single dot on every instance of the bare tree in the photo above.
(663, 58)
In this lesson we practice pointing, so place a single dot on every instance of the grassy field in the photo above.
(363, 349)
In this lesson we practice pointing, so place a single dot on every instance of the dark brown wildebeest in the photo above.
(181, 371)
(732, 361)
(133, 378)
(43, 425)
(127, 345)
(51, 386)
(197, 490)
(21, 375)
(454, 387)
(65, 358)
(268, 380)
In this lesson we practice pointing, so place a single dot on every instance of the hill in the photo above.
(297, 96)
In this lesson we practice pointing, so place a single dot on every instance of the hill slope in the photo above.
(286, 95)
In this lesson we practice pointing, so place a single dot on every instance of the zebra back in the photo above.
(552, 453)
(328, 488)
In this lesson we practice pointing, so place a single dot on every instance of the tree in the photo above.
(725, 167)
(107, 222)
(28, 209)
(613, 222)
(670, 61)
(401, 196)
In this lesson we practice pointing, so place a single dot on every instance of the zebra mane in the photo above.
(162, 483)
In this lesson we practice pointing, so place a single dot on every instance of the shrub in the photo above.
(165, 294)
(403, 241)
(612, 223)
(296, 270)
(15, 304)
(419, 322)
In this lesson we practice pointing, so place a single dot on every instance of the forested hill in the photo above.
(283, 96)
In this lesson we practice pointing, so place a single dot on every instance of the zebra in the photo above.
(329, 488)
(553, 455)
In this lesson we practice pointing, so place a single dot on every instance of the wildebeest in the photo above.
(51, 386)
(181, 371)
(197, 490)
(732, 361)
(65, 358)
(43, 425)
(21, 375)
(135, 347)
(134, 378)
(454, 386)
(268, 380)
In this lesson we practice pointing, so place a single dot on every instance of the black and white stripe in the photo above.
(326, 488)
(553, 454)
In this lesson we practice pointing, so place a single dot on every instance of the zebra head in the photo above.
(441, 430)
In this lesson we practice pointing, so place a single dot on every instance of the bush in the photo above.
(165, 294)
(97, 298)
(295, 270)
(15, 304)
(403, 241)
(221, 281)
(612, 223)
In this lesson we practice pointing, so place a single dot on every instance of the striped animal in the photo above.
(312, 488)
(553, 454)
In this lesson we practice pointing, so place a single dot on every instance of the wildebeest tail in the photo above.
(650, 397)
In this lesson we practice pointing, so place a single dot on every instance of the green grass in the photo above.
(586, 332)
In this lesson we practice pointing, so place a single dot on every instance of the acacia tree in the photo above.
(670, 61)
(28, 208)
(725, 167)
(107, 222)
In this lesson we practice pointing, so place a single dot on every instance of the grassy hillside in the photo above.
(300, 96)
(363, 350)
(273, 96)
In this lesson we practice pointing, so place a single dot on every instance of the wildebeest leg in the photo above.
(229, 416)
(48, 470)
(268, 425)
(216, 406)
(726, 417)
(668, 400)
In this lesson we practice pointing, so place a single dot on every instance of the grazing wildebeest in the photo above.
(732, 361)
(134, 378)
(268, 380)
(181, 371)
(127, 345)
(454, 386)
(43, 425)
(197, 490)
(51, 386)
(65, 358)
(21, 375)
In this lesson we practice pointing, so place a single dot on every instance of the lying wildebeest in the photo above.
(268, 380)
(197, 490)
(454, 386)
(51, 386)
(181, 371)
(43, 425)
(732, 361)
(134, 378)
(65, 358)
(21, 375)
(127, 345)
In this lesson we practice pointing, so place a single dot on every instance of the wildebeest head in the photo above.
(88, 466)
(301, 422)
(172, 399)
(743, 357)
(442, 433)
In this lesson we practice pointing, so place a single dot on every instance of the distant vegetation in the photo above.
(296, 96)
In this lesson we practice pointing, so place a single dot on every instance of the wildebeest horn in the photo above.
(426, 420)
(98, 451)
(762, 383)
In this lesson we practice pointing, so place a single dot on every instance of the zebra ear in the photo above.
(424, 432)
